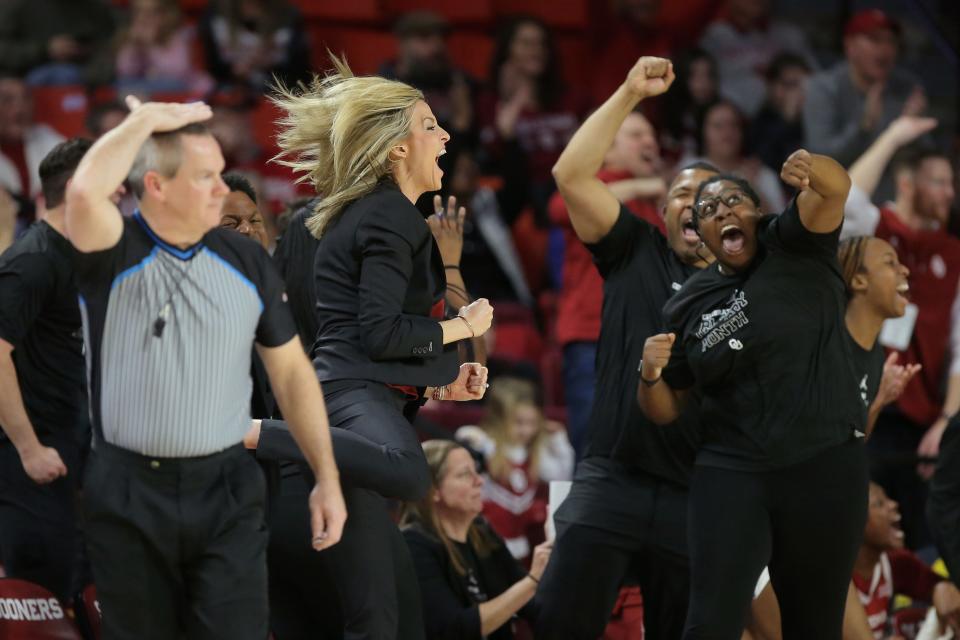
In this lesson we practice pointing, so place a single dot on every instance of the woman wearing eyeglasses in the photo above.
(781, 478)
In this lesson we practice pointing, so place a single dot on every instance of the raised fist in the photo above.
(650, 77)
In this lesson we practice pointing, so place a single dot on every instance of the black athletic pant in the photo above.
(39, 538)
(615, 521)
(372, 567)
(178, 546)
(805, 522)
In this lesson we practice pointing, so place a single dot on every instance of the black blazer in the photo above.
(449, 611)
(378, 273)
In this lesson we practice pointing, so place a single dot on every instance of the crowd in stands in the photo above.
(511, 87)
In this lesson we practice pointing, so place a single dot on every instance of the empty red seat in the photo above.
(62, 107)
(472, 52)
(475, 11)
(30, 612)
(452, 415)
(569, 14)
(340, 10)
(366, 49)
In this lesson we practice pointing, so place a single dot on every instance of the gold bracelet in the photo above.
(439, 392)
(473, 334)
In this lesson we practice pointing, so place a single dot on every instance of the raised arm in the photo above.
(823, 185)
(593, 208)
(93, 222)
(866, 172)
(297, 390)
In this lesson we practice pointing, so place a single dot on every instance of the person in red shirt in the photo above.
(915, 225)
(884, 568)
(630, 168)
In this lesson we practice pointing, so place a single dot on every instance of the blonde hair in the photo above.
(424, 513)
(504, 397)
(339, 132)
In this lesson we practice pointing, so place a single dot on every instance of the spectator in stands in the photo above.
(744, 41)
(631, 169)
(472, 587)
(884, 569)
(777, 129)
(423, 61)
(915, 225)
(490, 263)
(155, 51)
(523, 451)
(56, 42)
(697, 88)
(23, 144)
(526, 108)
(44, 435)
(848, 105)
(248, 42)
(104, 116)
(721, 142)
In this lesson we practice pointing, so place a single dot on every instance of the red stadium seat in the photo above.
(472, 52)
(475, 11)
(569, 14)
(30, 612)
(87, 609)
(263, 121)
(452, 415)
(340, 10)
(366, 49)
(64, 108)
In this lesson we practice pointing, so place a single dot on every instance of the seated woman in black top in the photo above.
(370, 146)
(781, 478)
(472, 587)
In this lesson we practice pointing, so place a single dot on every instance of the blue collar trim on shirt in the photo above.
(183, 254)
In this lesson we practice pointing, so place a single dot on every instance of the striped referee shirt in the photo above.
(169, 335)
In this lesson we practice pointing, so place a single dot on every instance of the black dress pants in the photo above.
(39, 537)
(804, 521)
(177, 546)
(615, 521)
(371, 565)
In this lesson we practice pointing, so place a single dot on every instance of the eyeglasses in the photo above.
(707, 208)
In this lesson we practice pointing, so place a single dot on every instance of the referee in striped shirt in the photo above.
(171, 306)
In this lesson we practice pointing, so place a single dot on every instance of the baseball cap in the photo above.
(870, 20)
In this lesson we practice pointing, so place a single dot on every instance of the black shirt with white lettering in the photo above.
(40, 318)
(769, 351)
(640, 273)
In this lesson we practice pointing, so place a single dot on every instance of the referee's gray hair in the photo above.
(161, 153)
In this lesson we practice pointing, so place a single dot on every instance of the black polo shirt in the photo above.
(39, 316)
(769, 351)
(640, 273)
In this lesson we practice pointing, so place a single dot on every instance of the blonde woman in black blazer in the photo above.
(370, 146)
